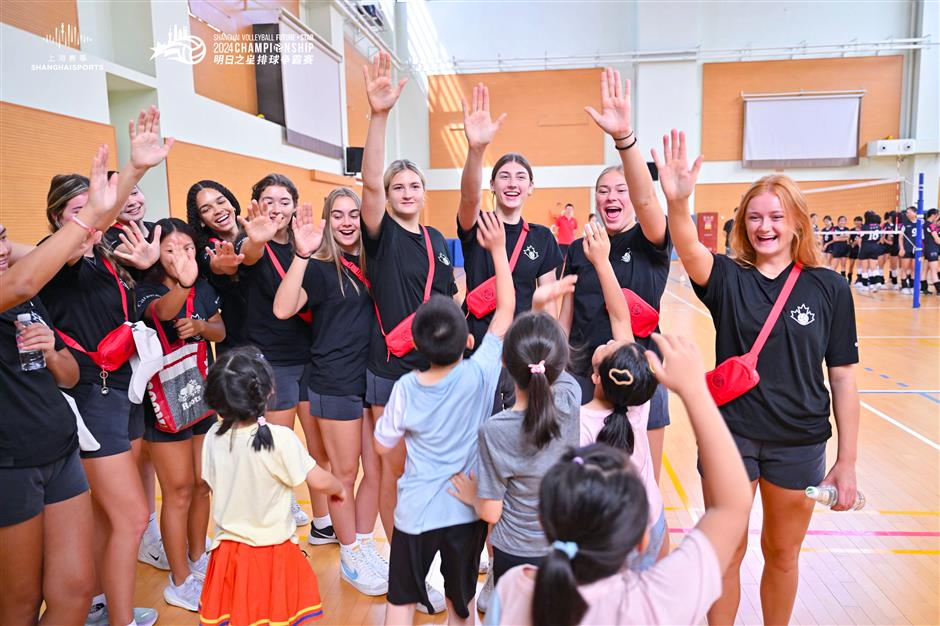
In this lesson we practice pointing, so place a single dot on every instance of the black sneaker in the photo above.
(321, 536)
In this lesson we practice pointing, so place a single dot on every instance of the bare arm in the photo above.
(615, 119)
(464, 488)
(597, 250)
(678, 182)
(308, 234)
(845, 408)
(566, 316)
(480, 130)
(61, 364)
(322, 481)
(551, 307)
(492, 236)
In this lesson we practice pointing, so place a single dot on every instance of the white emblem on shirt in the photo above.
(802, 315)
(443, 258)
(626, 256)
(531, 252)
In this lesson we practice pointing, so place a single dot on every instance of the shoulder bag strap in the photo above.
(774, 313)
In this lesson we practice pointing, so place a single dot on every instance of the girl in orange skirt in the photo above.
(257, 574)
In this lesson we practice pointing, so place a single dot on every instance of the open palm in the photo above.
(477, 123)
(308, 232)
(675, 176)
(381, 91)
(259, 226)
(102, 193)
(185, 267)
(147, 148)
(615, 116)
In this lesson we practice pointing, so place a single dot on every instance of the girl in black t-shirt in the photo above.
(397, 248)
(827, 239)
(213, 211)
(782, 424)
(186, 307)
(327, 275)
(840, 245)
(868, 252)
(640, 249)
(908, 236)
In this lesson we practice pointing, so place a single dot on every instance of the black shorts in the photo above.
(505, 395)
(785, 465)
(931, 255)
(839, 251)
(155, 435)
(908, 250)
(411, 556)
(288, 383)
(27, 490)
(503, 562)
(894, 249)
(853, 252)
(378, 389)
(339, 408)
(111, 418)
(869, 252)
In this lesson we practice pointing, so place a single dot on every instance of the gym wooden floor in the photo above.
(880, 565)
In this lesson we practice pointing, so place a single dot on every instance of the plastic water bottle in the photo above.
(829, 496)
(30, 359)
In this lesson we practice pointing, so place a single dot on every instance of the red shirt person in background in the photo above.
(564, 228)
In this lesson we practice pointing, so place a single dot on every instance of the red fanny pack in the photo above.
(399, 340)
(643, 317)
(482, 300)
(737, 375)
(307, 315)
(117, 347)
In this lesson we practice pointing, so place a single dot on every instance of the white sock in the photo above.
(360, 537)
(322, 522)
(347, 549)
(153, 528)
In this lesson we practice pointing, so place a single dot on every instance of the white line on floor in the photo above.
(690, 305)
(905, 428)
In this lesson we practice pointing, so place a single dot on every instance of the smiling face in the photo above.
(613, 201)
(511, 186)
(134, 209)
(216, 212)
(769, 231)
(5, 249)
(172, 245)
(843, 221)
(279, 204)
(344, 223)
(406, 194)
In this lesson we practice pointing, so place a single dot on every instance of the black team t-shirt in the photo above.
(397, 266)
(791, 403)
(37, 426)
(205, 306)
(539, 255)
(639, 266)
(233, 300)
(282, 342)
(839, 247)
(908, 236)
(342, 328)
(869, 245)
(84, 302)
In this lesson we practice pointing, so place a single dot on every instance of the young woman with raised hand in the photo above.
(213, 211)
(532, 249)
(89, 299)
(640, 248)
(406, 262)
(781, 425)
(327, 276)
(187, 308)
(268, 249)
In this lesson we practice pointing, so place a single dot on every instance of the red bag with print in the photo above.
(399, 340)
(482, 300)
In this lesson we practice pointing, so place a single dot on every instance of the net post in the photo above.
(918, 239)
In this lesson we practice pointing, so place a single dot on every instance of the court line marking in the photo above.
(690, 305)
(899, 337)
(844, 533)
(910, 431)
(821, 510)
(899, 390)
(896, 308)
(677, 484)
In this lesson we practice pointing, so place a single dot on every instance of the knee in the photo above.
(345, 474)
(178, 496)
(783, 559)
(201, 489)
(77, 585)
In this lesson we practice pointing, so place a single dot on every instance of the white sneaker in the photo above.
(484, 562)
(483, 599)
(153, 554)
(374, 558)
(355, 569)
(185, 596)
(438, 603)
(300, 517)
(906, 291)
(98, 616)
(199, 567)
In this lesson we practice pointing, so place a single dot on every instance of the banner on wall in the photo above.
(801, 130)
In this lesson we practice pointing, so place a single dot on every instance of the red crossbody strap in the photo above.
(774, 313)
(164, 343)
(430, 279)
(356, 270)
(274, 261)
(519, 243)
(74, 344)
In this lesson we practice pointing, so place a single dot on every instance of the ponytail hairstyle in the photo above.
(193, 215)
(593, 510)
(872, 218)
(237, 388)
(62, 189)
(627, 381)
(535, 352)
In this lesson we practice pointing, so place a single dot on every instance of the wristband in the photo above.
(300, 256)
(625, 148)
(630, 134)
(185, 286)
(91, 230)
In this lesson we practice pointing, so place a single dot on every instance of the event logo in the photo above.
(181, 47)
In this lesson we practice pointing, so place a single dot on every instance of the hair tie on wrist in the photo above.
(300, 256)
(186, 286)
(578, 460)
(91, 230)
(628, 135)
(633, 143)
(262, 421)
(537, 368)
(569, 548)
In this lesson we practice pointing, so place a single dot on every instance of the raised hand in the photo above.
(308, 231)
(683, 371)
(596, 244)
(478, 126)
(223, 257)
(184, 266)
(259, 226)
(134, 248)
(615, 116)
(491, 234)
(551, 292)
(102, 193)
(675, 176)
(147, 149)
(382, 93)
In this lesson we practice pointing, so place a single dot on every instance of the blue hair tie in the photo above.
(570, 548)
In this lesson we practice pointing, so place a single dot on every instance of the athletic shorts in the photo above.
(378, 389)
(853, 252)
(785, 465)
(869, 252)
(411, 556)
(894, 249)
(339, 408)
(931, 255)
(908, 249)
(288, 382)
(503, 562)
(155, 435)
(505, 396)
(27, 490)
(111, 418)
(839, 251)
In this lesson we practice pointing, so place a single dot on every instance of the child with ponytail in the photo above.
(594, 512)
(252, 468)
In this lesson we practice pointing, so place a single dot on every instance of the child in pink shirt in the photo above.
(594, 512)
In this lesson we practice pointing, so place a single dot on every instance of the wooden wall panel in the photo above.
(37, 145)
(441, 206)
(189, 163)
(357, 103)
(723, 108)
(723, 197)
(44, 18)
(546, 121)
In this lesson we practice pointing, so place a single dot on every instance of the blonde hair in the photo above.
(399, 166)
(803, 247)
(607, 170)
(329, 250)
